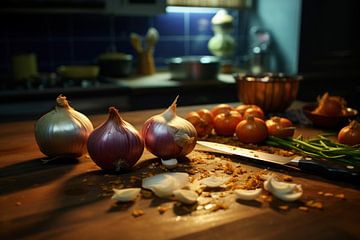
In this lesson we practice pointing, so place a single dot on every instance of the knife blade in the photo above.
(328, 168)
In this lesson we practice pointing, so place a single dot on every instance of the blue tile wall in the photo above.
(59, 39)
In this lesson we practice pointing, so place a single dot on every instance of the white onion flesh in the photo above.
(214, 182)
(244, 194)
(186, 196)
(126, 194)
(164, 184)
(281, 187)
(170, 163)
(288, 192)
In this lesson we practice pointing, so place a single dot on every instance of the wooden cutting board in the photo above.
(70, 199)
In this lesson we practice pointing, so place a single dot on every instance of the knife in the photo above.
(328, 168)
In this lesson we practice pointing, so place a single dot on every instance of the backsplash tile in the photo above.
(200, 24)
(167, 49)
(59, 39)
(123, 26)
(199, 46)
(170, 24)
(95, 26)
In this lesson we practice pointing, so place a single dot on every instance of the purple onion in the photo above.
(115, 145)
(167, 135)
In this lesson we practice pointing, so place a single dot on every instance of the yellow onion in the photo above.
(115, 145)
(167, 135)
(63, 131)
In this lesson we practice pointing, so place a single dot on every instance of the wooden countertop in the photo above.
(62, 200)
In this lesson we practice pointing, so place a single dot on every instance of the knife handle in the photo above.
(331, 169)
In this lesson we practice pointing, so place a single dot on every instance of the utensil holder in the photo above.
(146, 64)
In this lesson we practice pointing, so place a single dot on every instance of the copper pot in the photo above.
(114, 64)
(194, 68)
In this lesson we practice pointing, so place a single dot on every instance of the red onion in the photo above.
(115, 145)
(167, 135)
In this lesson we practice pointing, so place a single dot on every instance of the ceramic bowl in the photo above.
(329, 122)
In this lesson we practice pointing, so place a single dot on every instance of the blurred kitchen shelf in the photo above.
(162, 79)
(135, 93)
(113, 7)
(238, 4)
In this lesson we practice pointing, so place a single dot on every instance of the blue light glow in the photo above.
(176, 9)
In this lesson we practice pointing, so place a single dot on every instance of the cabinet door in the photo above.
(135, 7)
(329, 41)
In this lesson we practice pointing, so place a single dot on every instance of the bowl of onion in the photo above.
(272, 92)
(329, 112)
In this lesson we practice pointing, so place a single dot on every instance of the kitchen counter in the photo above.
(133, 93)
(63, 199)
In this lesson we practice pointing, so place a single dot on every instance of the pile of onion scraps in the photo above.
(330, 105)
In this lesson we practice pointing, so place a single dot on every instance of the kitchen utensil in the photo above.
(271, 92)
(194, 68)
(262, 57)
(146, 63)
(24, 66)
(330, 122)
(115, 64)
(80, 72)
(135, 41)
(327, 168)
(223, 43)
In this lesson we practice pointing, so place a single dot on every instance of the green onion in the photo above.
(319, 147)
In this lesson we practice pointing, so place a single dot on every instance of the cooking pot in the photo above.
(114, 64)
(24, 66)
(194, 68)
(78, 72)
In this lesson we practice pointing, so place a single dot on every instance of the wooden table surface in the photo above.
(60, 200)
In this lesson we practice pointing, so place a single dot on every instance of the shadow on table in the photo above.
(33, 173)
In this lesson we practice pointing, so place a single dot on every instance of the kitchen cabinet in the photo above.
(237, 4)
(329, 53)
(116, 7)
(135, 93)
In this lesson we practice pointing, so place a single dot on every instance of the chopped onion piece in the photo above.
(186, 196)
(164, 184)
(248, 194)
(290, 197)
(126, 194)
(281, 187)
(288, 192)
(170, 163)
(214, 181)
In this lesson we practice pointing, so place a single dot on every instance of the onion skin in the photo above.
(251, 130)
(115, 145)
(242, 108)
(63, 131)
(225, 123)
(221, 108)
(254, 111)
(167, 135)
(203, 125)
(280, 127)
(330, 105)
